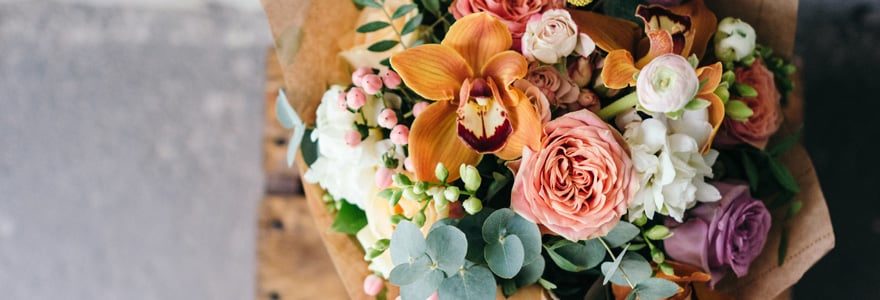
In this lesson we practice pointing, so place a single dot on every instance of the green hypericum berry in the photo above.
(738, 110)
(657, 255)
(326, 197)
(397, 218)
(658, 232)
(641, 220)
(472, 205)
(471, 177)
(441, 172)
(667, 269)
(410, 194)
(745, 90)
(401, 180)
(419, 219)
(723, 93)
(451, 193)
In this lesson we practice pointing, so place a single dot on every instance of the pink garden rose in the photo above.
(767, 109)
(559, 89)
(580, 182)
(514, 13)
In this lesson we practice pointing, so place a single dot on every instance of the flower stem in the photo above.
(391, 23)
(625, 277)
(619, 106)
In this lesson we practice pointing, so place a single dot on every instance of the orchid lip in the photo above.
(483, 122)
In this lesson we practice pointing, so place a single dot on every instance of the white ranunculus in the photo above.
(734, 40)
(360, 163)
(671, 170)
(552, 36)
(667, 84)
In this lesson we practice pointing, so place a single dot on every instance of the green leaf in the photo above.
(738, 110)
(624, 9)
(745, 90)
(655, 289)
(530, 273)
(505, 258)
(368, 3)
(529, 234)
(407, 243)
(621, 234)
(407, 273)
(785, 144)
(697, 104)
(783, 176)
(350, 219)
(402, 10)
(783, 246)
(577, 257)
(382, 46)
(386, 62)
(309, 148)
(751, 171)
(636, 268)
(495, 226)
(372, 26)
(447, 247)
(475, 282)
(411, 25)
(432, 6)
(424, 287)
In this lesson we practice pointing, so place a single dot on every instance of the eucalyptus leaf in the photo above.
(447, 247)
(577, 257)
(372, 26)
(382, 46)
(610, 268)
(621, 234)
(412, 24)
(424, 287)
(655, 289)
(472, 226)
(636, 268)
(505, 258)
(407, 243)
(407, 273)
(475, 282)
(530, 273)
(529, 234)
(402, 10)
(495, 226)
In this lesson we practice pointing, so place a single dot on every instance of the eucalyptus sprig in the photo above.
(409, 27)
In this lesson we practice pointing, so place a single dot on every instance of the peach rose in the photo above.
(766, 108)
(580, 182)
(514, 13)
(559, 89)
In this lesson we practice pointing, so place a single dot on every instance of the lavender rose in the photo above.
(727, 234)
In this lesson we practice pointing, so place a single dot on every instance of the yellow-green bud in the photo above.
(658, 232)
(441, 172)
(471, 177)
(419, 219)
(472, 205)
(451, 193)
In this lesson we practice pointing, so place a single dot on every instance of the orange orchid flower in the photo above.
(686, 276)
(469, 75)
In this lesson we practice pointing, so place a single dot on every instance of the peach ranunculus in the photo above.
(355, 47)
(581, 180)
(514, 13)
(766, 108)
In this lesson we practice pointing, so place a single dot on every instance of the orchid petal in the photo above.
(619, 71)
(477, 37)
(433, 139)
(661, 43)
(432, 71)
(526, 128)
(710, 78)
(703, 26)
(608, 33)
(506, 67)
(716, 117)
(658, 17)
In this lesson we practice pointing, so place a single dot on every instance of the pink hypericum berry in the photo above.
(355, 98)
(383, 177)
(353, 138)
(400, 135)
(408, 164)
(372, 285)
(419, 108)
(387, 118)
(434, 296)
(391, 79)
(371, 83)
(358, 75)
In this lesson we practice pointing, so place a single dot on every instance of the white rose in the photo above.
(360, 162)
(355, 51)
(551, 36)
(671, 170)
(667, 84)
(734, 40)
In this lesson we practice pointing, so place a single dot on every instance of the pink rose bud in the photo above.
(419, 108)
(359, 74)
(371, 83)
(387, 118)
(408, 164)
(383, 177)
(372, 285)
(355, 98)
(391, 79)
(400, 135)
(340, 101)
(434, 296)
(353, 138)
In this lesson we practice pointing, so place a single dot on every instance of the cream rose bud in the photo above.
(550, 36)
(734, 40)
(667, 84)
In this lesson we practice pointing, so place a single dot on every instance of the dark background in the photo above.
(838, 42)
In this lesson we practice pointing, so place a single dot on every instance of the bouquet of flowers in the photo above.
(550, 148)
